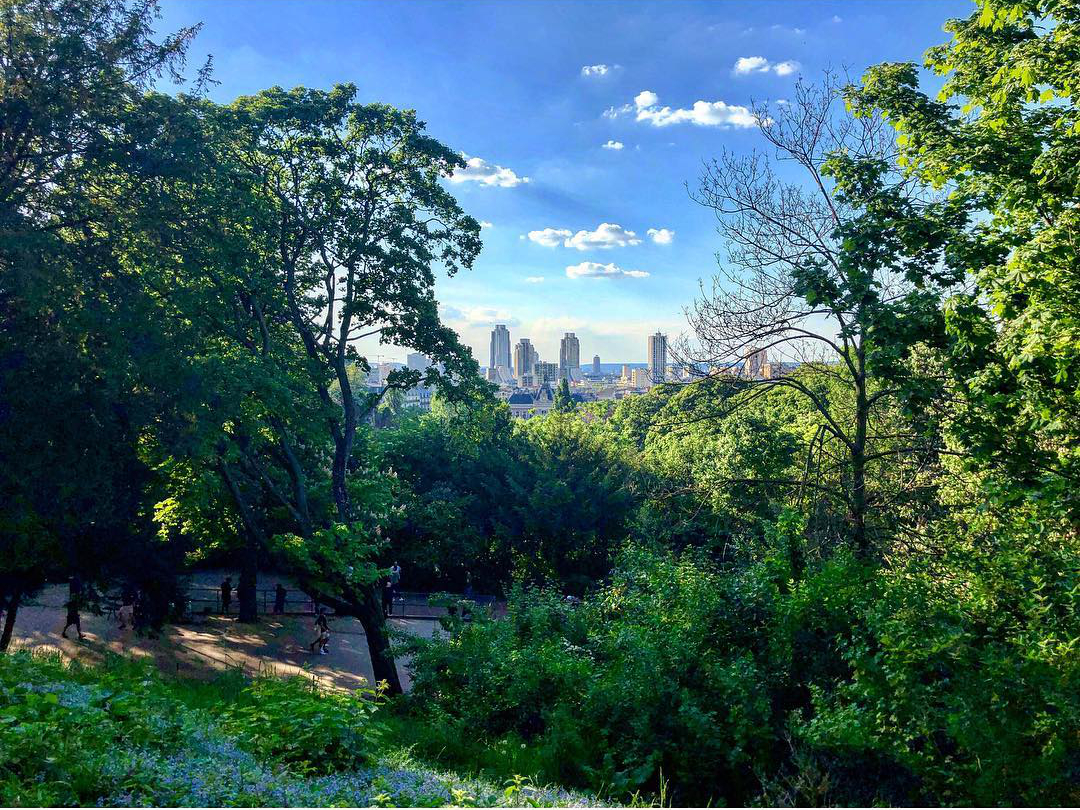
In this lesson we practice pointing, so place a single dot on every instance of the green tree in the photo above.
(1003, 135)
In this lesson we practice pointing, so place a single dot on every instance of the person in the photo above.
(73, 616)
(322, 633)
(126, 614)
(226, 594)
(387, 597)
(279, 599)
(395, 580)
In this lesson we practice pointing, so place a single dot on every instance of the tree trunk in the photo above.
(249, 560)
(858, 467)
(9, 619)
(366, 607)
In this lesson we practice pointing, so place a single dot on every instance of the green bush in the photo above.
(656, 677)
(294, 722)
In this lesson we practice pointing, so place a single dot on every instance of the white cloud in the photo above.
(549, 237)
(646, 108)
(747, 65)
(534, 279)
(612, 145)
(837, 18)
(662, 236)
(646, 98)
(597, 270)
(484, 224)
(598, 71)
(607, 235)
(472, 316)
(478, 170)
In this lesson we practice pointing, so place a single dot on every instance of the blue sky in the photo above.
(523, 88)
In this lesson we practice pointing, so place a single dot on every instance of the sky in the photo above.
(584, 123)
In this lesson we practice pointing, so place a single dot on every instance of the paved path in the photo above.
(277, 643)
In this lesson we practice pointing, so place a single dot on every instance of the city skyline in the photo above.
(582, 130)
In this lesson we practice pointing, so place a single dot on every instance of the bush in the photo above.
(294, 722)
(655, 677)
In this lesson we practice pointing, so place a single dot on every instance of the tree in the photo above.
(1002, 135)
(70, 482)
(841, 275)
(357, 217)
(564, 402)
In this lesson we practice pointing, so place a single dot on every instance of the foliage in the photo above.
(121, 735)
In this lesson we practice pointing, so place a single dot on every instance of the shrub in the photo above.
(294, 722)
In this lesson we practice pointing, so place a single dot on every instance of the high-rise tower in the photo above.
(657, 358)
(570, 357)
(500, 347)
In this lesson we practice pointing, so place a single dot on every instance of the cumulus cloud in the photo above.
(550, 237)
(837, 18)
(662, 236)
(534, 279)
(478, 170)
(484, 224)
(747, 65)
(607, 235)
(597, 270)
(612, 145)
(646, 108)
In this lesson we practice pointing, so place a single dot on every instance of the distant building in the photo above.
(419, 397)
(525, 358)
(570, 357)
(417, 361)
(527, 404)
(596, 364)
(641, 378)
(657, 358)
(500, 347)
(545, 373)
(755, 364)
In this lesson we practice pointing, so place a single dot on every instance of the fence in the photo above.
(407, 604)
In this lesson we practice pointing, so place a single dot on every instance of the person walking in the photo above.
(73, 616)
(226, 595)
(322, 633)
(279, 599)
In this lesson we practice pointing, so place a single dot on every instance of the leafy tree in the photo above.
(564, 402)
(842, 274)
(355, 209)
(1002, 136)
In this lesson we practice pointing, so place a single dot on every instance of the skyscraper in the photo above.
(596, 364)
(657, 357)
(570, 357)
(500, 347)
(525, 358)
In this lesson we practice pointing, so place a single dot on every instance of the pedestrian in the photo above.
(279, 599)
(226, 594)
(395, 580)
(73, 616)
(322, 633)
(387, 598)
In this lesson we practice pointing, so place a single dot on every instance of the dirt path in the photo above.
(278, 643)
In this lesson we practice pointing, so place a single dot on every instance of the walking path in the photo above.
(277, 643)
